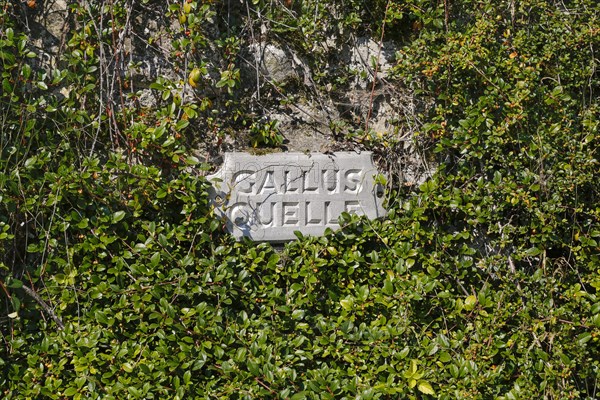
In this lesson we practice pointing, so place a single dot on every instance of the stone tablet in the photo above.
(268, 197)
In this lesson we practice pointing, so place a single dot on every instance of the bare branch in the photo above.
(45, 306)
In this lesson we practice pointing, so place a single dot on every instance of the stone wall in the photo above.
(334, 96)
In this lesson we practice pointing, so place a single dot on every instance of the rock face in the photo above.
(370, 60)
(326, 96)
(274, 64)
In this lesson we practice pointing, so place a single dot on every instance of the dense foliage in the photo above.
(116, 280)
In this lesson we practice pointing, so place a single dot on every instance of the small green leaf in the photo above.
(162, 193)
(445, 357)
(404, 352)
(155, 259)
(30, 162)
(388, 287)
(101, 317)
(532, 252)
(182, 124)
(584, 338)
(127, 367)
(15, 284)
(347, 303)
(191, 160)
(470, 302)
(413, 366)
(26, 71)
(118, 216)
(298, 314)
(425, 387)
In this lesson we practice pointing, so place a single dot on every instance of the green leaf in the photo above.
(15, 284)
(413, 366)
(404, 352)
(347, 303)
(26, 71)
(388, 287)
(532, 252)
(445, 357)
(298, 314)
(470, 302)
(584, 338)
(118, 216)
(425, 387)
(101, 317)
(127, 367)
(30, 162)
(182, 124)
(192, 160)
(362, 293)
(155, 259)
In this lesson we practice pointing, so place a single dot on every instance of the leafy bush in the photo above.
(117, 281)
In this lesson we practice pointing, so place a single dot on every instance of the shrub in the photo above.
(117, 281)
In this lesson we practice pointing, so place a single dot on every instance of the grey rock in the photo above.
(273, 63)
(147, 99)
(364, 54)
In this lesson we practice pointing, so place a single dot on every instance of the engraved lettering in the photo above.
(310, 182)
(290, 215)
(331, 216)
(240, 214)
(314, 213)
(268, 197)
(292, 181)
(267, 214)
(243, 181)
(352, 207)
(268, 184)
(353, 178)
(331, 181)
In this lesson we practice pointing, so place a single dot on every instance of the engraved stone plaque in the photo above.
(268, 197)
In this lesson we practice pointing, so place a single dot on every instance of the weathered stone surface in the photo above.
(363, 54)
(268, 197)
(274, 64)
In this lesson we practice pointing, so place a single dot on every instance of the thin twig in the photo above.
(387, 6)
(258, 53)
(446, 14)
(45, 306)
(261, 383)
